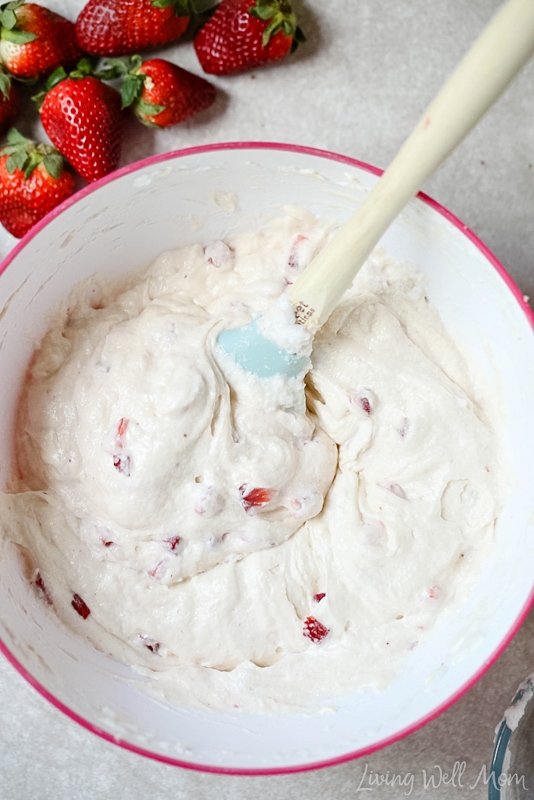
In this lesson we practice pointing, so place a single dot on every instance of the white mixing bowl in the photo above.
(122, 223)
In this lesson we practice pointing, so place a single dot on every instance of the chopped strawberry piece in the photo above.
(314, 629)
(121, 430)
(252, 499)
(365, 399)
(365, 404)
(218, 254)
(121, 461)
(158, 570)
(396, 489)
(150, 644)
(122, 464)
(42, 590)
(293, 261)
(434, 592)
(319, 596)
(173, 542)
(80, 606)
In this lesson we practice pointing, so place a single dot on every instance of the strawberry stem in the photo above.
(26, 154)
(182, 8)
(8, 24)
(280, 16)
(132, 84)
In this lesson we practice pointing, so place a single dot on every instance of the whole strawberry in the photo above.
(9, 99)
(243, 34)
(161, 93)
(33, 181)
(34, 40)
(119, 27)
(83, 118)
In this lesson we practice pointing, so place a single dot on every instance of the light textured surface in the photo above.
(367, 72)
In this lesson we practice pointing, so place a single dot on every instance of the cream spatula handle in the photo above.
(498, 54)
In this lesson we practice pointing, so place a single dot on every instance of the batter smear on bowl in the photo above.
(248, 543)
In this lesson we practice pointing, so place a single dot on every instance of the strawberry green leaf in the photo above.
(274, 27)
(8, 19)
(135, 62)
(26, 154)
(5, 83)
(279, 16)
(16, 160)
(264, 12)
(15, 137)
(17, 37)
(39, 98)
(53, 163)
(33, 159)
(131, 89)
(114, 68)
(150, 109)
(56, 77)
(13, 5)
(84, 67)
(181, 7)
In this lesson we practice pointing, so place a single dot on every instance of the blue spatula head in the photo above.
(254, 353)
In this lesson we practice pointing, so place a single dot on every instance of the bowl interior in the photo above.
(201, 195)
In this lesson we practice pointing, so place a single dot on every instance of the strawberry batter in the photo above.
(245, 544)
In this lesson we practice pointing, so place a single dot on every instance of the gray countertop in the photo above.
(356, 87)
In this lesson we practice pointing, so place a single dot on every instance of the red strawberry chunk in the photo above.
(121, 461)
(364, 399)
(396, 489)
(294, 255)
(365, 404)
(314, 629)
(158, 570)
(148, 642)
(319, 596)
(80, 606)
(41, 587)
(256, 498)
(121, 430)
(122, 464)
(173, 542)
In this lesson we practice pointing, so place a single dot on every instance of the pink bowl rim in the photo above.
(523, 304)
